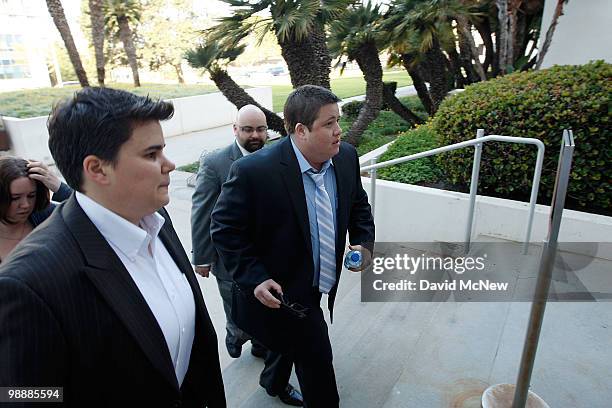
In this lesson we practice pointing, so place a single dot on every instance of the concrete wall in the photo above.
(583, 33)
(407, 213)
(29, 137)
(195, 113)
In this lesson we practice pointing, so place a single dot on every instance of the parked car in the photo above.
(276, 71)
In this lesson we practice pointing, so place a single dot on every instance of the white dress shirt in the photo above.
(164, 287)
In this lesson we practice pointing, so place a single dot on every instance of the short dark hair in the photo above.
(97, 121)
(12, 168)
(303, 105)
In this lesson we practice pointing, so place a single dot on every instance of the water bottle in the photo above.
(353, 259)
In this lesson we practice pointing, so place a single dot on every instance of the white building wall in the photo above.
(583, 33)
(29, 20)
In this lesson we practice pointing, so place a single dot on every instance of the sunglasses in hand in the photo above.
(293, 308)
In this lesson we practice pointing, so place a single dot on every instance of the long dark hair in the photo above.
(12, 168)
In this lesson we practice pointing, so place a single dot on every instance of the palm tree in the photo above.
(214, 57)
(59, 19)
(120, 16)
(356, 35)
(420, 32)
(299, 27)
(96, 14)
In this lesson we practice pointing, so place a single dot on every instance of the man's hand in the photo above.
(263, 294)
(39, 171)
(203, 271)
(366, 257)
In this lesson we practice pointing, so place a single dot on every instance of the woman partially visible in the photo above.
(24, 199)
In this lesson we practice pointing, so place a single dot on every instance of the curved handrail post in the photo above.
(535, 184)
(473, 190)
(373, 188)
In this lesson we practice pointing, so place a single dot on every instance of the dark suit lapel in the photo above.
(116, 286)
(341, 169)
(292, 178)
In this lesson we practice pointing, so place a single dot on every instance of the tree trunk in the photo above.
(397, 106)
(125, 33)
(418, 83)
(466, 38)
(465, 60)
(455, 64)
(521, 39)
(549, 33)
(179, 73)
(311, 51)
(496, 65)
(504, 35)
(514, 26)
(59, 19)
(439, 85)
(484, 29)
(507, 16)
(369, 63)
(96, 16)
(238, 96)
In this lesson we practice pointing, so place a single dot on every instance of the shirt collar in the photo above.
(304, 165)
(244, 151)
(122, 234)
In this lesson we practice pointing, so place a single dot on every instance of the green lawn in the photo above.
(343, 87)
(38, 102)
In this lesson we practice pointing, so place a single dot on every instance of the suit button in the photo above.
(177, 404)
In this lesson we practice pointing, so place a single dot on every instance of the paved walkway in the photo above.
(430, 355)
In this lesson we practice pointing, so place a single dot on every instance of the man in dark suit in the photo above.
(286, 236)
(101, 298)
(251, 131)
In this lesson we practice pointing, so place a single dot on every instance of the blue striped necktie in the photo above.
(327, 236)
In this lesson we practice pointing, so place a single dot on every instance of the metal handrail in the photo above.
(477, 142)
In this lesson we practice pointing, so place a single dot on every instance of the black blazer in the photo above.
(71, 316)
(261, 230)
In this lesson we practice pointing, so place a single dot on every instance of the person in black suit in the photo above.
(285, 237)
(251, 131)
(101, 298)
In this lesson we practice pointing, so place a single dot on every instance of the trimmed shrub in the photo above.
(538, 104)
(421, 171)
(351, 109)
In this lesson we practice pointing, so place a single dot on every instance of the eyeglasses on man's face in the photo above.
(250, 129)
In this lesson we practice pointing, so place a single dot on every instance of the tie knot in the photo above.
(317, 177)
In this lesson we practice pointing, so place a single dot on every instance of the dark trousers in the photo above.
(314, 362)
(275, 375)
(234, 336)
(277, 370)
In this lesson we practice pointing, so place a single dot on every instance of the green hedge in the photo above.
(422, 171)
(538, 104)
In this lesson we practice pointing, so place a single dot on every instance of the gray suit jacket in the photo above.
(213, 172)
